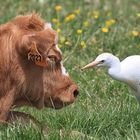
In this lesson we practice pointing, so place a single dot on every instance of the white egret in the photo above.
(127, 71)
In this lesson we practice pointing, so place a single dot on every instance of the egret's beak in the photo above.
(91, 65)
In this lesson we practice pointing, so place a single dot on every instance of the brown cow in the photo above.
(31, 69)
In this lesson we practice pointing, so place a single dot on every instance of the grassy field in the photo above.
(105, 109)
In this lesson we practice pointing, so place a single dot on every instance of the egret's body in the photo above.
(127, 71)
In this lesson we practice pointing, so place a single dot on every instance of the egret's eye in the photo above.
(102, 61)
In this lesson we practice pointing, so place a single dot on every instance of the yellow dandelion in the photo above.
(138, 14)
(105, 30)
(58, 30)
(83, 44)
(96, 14)
(110, 22)
(77, 11)
(54, 20)
(62, 39)
(113, 21)
(67, 19)
(79, 31)
(70, 17)
(58, 8)
(68, 43)
(135, 33)
(86, 23)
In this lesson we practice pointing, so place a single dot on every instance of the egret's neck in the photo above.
(114, 70)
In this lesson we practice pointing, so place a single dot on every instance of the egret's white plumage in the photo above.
(127, 71)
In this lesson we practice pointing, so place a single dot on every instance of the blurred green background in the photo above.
(105, 109)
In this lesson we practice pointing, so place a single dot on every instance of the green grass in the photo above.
(105, 109)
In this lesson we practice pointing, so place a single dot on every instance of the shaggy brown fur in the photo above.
(31, 67)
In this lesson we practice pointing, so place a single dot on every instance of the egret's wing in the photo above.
(131, 69)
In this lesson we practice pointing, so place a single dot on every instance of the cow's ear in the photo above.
(35, 56)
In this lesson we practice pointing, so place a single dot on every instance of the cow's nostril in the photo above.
(75, 93)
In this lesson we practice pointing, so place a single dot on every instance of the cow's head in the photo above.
(39, 45)
(59, 88)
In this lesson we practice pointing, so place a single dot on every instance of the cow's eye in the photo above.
(52, 58)
(52, 61)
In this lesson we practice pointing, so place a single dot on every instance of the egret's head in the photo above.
(104, 59)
